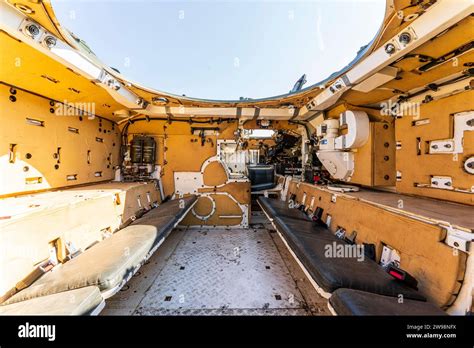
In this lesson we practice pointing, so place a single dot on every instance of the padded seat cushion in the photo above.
(262, 177)
(167, 214)
(81, 301)
(172, 208)
(275, 207)
(104, 265)
(354, 302)
(311, 242)
(154, 218)
(109, 263)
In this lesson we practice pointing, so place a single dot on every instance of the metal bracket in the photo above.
(442, 182)
(399, 175)
(463, 122)
(458, 239)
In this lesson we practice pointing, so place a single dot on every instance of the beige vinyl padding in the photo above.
(104, 265)
(110, 263)
(79, 216)
(438, 268)
(83, 301)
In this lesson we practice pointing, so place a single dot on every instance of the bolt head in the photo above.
(390, 48)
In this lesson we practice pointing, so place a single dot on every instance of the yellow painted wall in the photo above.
(92, 149)
(419, 168)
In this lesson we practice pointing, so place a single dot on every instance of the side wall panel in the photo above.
(36, 158)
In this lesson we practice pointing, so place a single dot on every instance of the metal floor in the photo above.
(201, 271)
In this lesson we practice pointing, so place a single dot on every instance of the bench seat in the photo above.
(354, 302)
(83, 301)
(311, 242)
(275, 207)
(109, 264)
(172, 208)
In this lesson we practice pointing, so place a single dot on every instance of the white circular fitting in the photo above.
(213, 210)
(469, 165)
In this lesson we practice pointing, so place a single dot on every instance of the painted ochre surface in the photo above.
(423, 253)
(374, 163)
(25, 67)
(79, 153)
(419, 168)
(179, 150)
